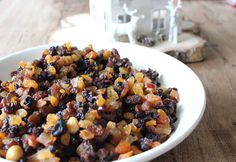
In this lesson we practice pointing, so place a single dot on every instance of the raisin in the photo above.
(139, 123)
(28, 149)
(29, 101)
(75, 140)
(53, 51)
(153, 136)
(23, 159)
(80, 115)
(5, 125)
(13, 130)
(133, 100)
(53, 148)
(145, 144)
(124, 76)
(31, 91)
(59, 128)
(104, 155)
(87, 152)
(35, 130)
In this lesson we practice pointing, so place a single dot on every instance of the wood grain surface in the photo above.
(28, 23)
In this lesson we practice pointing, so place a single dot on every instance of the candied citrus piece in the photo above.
(116, 134)
(14, 99)
(123, 70)
(163, 118)
(78, 82)
(138, 89)
(52, 70)
(112, 104)
(21, 112)
(85, 123)
(14, 120)
(89, 116)
(153, 98)
(151, 123)
(125, 90)
(131, 138)
(52, 119)
(46, 52)
(163, 129)
(87, 78)
(106, 54)
(62, 91)
(127, 129)
(86, 135)
(139, 77)
(155, 144)
(54, 101)
(121, 124)
(134, 128)
(67, 60)
(44, 154)
(130, 82)
(92, 55)
(3, 115)
(90, 46)
(78, 149)
(100, 100)
(30, 83)
(174, 94)
(11, 87)
(80, 98)
(118, 80)
(122, 147)
(49, 59)
(44, 139)
(95, 114)
(68, 45)
(2, 135)
(22, 64)
(112, 94)
(111, 125)
(135, 150)
(75, 57)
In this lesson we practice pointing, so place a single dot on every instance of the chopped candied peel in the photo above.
(83, 104)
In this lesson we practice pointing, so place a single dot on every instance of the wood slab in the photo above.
(190, 48)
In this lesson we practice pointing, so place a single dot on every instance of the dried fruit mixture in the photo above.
(83, 105)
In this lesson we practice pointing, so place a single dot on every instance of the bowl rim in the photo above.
(164, 147)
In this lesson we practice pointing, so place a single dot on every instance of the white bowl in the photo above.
(173, 74)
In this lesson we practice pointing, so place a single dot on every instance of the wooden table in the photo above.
(29, 23)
